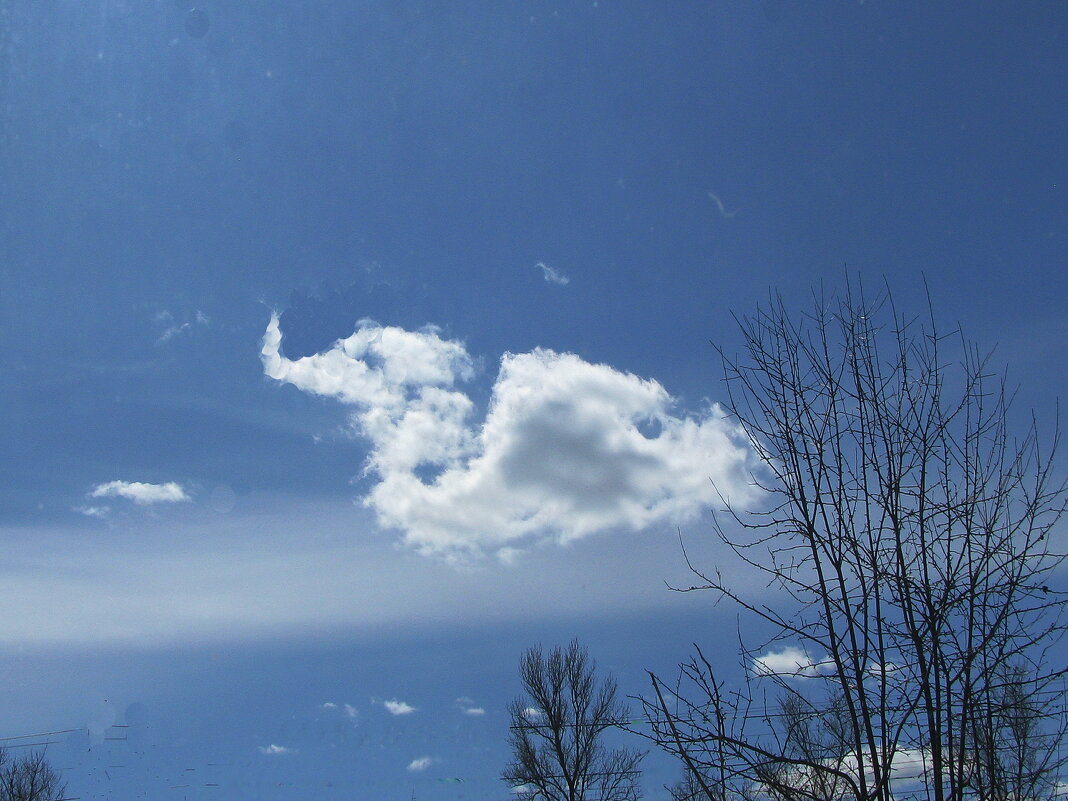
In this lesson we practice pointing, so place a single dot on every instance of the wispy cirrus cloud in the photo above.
(552, 276)
(140, 492)
(93, 511)
(567, 448)
(351, 712)
(275, 750)
(172, 328)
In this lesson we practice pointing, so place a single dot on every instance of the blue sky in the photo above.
(351, 348)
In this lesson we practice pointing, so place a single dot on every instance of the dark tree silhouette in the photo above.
(29, 778)
(904, 540)
(557, 728)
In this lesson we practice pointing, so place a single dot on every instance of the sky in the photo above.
(351, 348)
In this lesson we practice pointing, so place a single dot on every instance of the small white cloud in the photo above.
(791, 662)
(532, 713)
(201, 318)
(275, 750)
(141, 493)
(93, 511)
(468, 707)
(351, 712)
(396, 707)
(420, 764)
(552, 276)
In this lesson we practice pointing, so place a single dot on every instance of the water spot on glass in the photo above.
(197, 23)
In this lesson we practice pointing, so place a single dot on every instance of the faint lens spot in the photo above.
(223, 499)
(197, 23)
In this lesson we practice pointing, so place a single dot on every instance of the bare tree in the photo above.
(557, 728)
(904, 540)
(29, 778)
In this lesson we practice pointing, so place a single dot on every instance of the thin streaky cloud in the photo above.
(721, 206)
(275, 750)
(141, 492)
(93, 511)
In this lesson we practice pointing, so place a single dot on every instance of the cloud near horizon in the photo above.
(567, 448)
(792, 662)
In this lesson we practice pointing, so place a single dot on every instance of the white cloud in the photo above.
(909, 769)
(396, 707)
(791, 662)
(532, 713)
(552, 276)
(351, 712)
(93, 511)
(420, 764)
(468, 707)
(275, 750)
(567, 448)
(140, 492)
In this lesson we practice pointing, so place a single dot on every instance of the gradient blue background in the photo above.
(413, 162)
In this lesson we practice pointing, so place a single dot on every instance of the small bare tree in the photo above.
(557, 728)
(29, 778)
(905, 538)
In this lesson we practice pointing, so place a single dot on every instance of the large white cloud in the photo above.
(567, 448)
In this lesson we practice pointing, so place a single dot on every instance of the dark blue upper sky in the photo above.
(169, 179)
